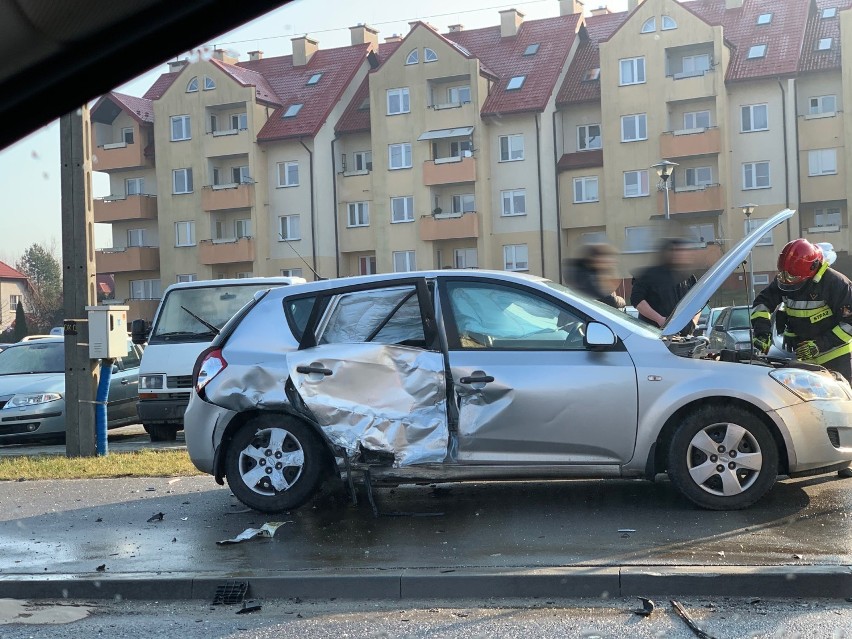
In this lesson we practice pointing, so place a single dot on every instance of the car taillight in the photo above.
(210, 364)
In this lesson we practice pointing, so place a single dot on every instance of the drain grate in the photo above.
(230, 592)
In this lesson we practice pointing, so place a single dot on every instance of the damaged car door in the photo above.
(528, 389)
(370, 370)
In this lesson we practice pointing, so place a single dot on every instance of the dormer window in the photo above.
(292, 110)
(192, 85)
(669, 23)
(757, 51)
(516, 82)
(649, 26)
(764, 18)
(592, 75)
(824, 44)
(829, 12)
(209, 83)
(413, 57)
(314, 79)
(532, 49)
(429, 55)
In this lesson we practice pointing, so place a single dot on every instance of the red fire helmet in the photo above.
(799, 262)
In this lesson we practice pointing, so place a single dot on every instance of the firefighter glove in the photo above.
(761, 343)
(807, 350)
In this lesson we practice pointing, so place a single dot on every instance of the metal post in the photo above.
(78, 281)
(666, 188)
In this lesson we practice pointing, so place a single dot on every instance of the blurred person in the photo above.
(595, 274)
(658, 289)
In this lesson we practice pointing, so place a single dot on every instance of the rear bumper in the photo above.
(204, 424)
(821, 434)
(162, 411)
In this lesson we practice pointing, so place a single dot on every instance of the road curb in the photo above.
(412, 584)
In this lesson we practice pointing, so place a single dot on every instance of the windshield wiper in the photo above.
(212, 328)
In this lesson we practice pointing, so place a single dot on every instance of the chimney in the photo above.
(632, 4)
(362, 34)
(510, 22)
(601, 11)
(255, 55)
(569, 7)
(394, 38)
(733, 4)
(177, 65)
(303, 50)
(222, 56)
(455, 28)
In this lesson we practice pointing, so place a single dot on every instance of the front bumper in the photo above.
(204, 424)
(821, 434)
(32, 421)
(162, 411)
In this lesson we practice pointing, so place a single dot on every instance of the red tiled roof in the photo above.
(580, 160)
(574, 88)
(161, 85)
(338, 66)
(817, 28)
(8, 273)
(249, 78)
(139, 109)
(354, 118)
(504, 58)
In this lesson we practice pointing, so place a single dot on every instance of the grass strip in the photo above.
(144, 463)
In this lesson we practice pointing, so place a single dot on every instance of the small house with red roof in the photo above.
(14, 287)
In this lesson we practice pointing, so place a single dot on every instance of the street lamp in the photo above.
(748, 209)
(664, 169)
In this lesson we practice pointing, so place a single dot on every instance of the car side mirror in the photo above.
(599, 336)
(139, 331)
(115, 368)
(719, 327)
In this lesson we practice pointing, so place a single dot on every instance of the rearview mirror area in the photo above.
(139, 331)
(599, 336)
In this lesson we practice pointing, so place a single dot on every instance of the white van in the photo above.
(187, 319)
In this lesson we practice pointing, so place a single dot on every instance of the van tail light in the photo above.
(209, 364)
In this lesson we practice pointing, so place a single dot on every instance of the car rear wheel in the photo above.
(275, 463)
(161, 432)
(723, 458)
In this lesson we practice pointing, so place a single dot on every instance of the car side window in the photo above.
(298, 312)
(131, 360)
(383, 316)
(498, 317)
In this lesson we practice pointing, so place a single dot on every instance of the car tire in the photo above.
(728, 438)
(161, 432)
(270, 449)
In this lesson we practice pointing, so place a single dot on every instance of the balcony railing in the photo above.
(221, 197)
(454, 226)
(706, 198)
(117, 208)
(127, 260)
(452, 170)
(227, 142)
(119, 155)
(229, 251)
(684, 143)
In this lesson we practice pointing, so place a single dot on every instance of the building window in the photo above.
(429, 55)
(461, 148)
(292, 110)
(593, 237)
(399, 156)
(702, 232)
(822, 162)
(764, 18)
(358, 214)
(694, 65)
(458, 95)
(757, 51)
(192, 85)
(14, 300)
(291, 272)
(699, 176)
(696, 120)
(511, 147)
(465, 258)
(288, 228)
(827, 217)
(403, 261)
(316, 77)
(363, 161)
(753, 223)
(135, 237)
(532, 49)
(756, 175)
(145, 289)
(585, 189)
(465, 203)
(631, 71)
(592, 75)
(514, 202)
(516, 257)
(824, 44)
(402, 209)
(134, 186)
(242, 228)
(185, 233)
(515, 82)
(588, 137)
(180, 128)
(829, 12)
(413, 57)
(209, 83)
(822, 104)
(244, 275)
(127, 135)
(634, 127)
(240, 175)
(182, 181)
(367, 265)
(288, 174)
(649, 26)
(754, 117)
(636, 183)
(188, 277)
(239, 121)
(669, 23)
(398, 101)
(638, 239)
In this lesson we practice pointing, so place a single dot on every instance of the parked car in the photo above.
(706, 319)
(32, 390)
(731, 330)
(476, 375)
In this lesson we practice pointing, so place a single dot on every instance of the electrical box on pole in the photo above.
(78, 281)
(107, 331)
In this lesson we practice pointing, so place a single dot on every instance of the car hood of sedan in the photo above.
(710, 282)
(32, 383)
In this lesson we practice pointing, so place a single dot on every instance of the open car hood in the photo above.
(709, 283)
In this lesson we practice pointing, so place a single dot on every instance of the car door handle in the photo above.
(479, 379)
(125, 382)
(307, 370)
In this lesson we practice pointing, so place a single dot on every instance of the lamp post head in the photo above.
(664, 169)
(748, 209)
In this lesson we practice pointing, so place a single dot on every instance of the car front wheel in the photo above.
(723, 458)
(275, 463)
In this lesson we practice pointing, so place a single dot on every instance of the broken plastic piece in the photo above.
(627, 530)
(647, 608)
(267, 530)
(690, 622)
(101, 568)
(248, 608)
(156, 517)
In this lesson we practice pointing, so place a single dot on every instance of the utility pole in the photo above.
(78, 281)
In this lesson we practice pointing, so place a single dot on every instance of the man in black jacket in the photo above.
(594, 274)
(658, 289)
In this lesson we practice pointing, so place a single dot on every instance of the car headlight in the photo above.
(809, 385)
(742, 346)
(151, 382)
(31, 399)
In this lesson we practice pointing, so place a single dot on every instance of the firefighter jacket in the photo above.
(820, 311)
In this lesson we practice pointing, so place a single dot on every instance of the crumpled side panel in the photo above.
(258, 385)
(387, 398)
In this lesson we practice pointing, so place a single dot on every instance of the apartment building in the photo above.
(504, 147)
(14, 288)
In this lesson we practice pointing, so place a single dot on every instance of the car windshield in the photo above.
(739, 318)
(605, 309)
(33, 357)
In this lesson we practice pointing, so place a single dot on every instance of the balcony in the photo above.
(228, 142)
(118, 156)
(127, 260)
(689, 86)
(837, 236)
(453, 170)
(708, 198)
(119, 208)
(820, 131)
(681, 144)
(141, 309)
(451, 227)
(222, 197)
(226, 251)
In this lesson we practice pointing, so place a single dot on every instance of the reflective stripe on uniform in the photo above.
(834, 353)
(760, 312)
(813, 314)
(843, 332)
(804, 304)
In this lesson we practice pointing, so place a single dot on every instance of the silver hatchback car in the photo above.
(476, 375)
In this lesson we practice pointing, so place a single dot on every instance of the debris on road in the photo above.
(101, 568)
(156, 517)
(15, 611)
(647, 608)
(267, 530)
(627, 530)
(681, 611)
(255, 607)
